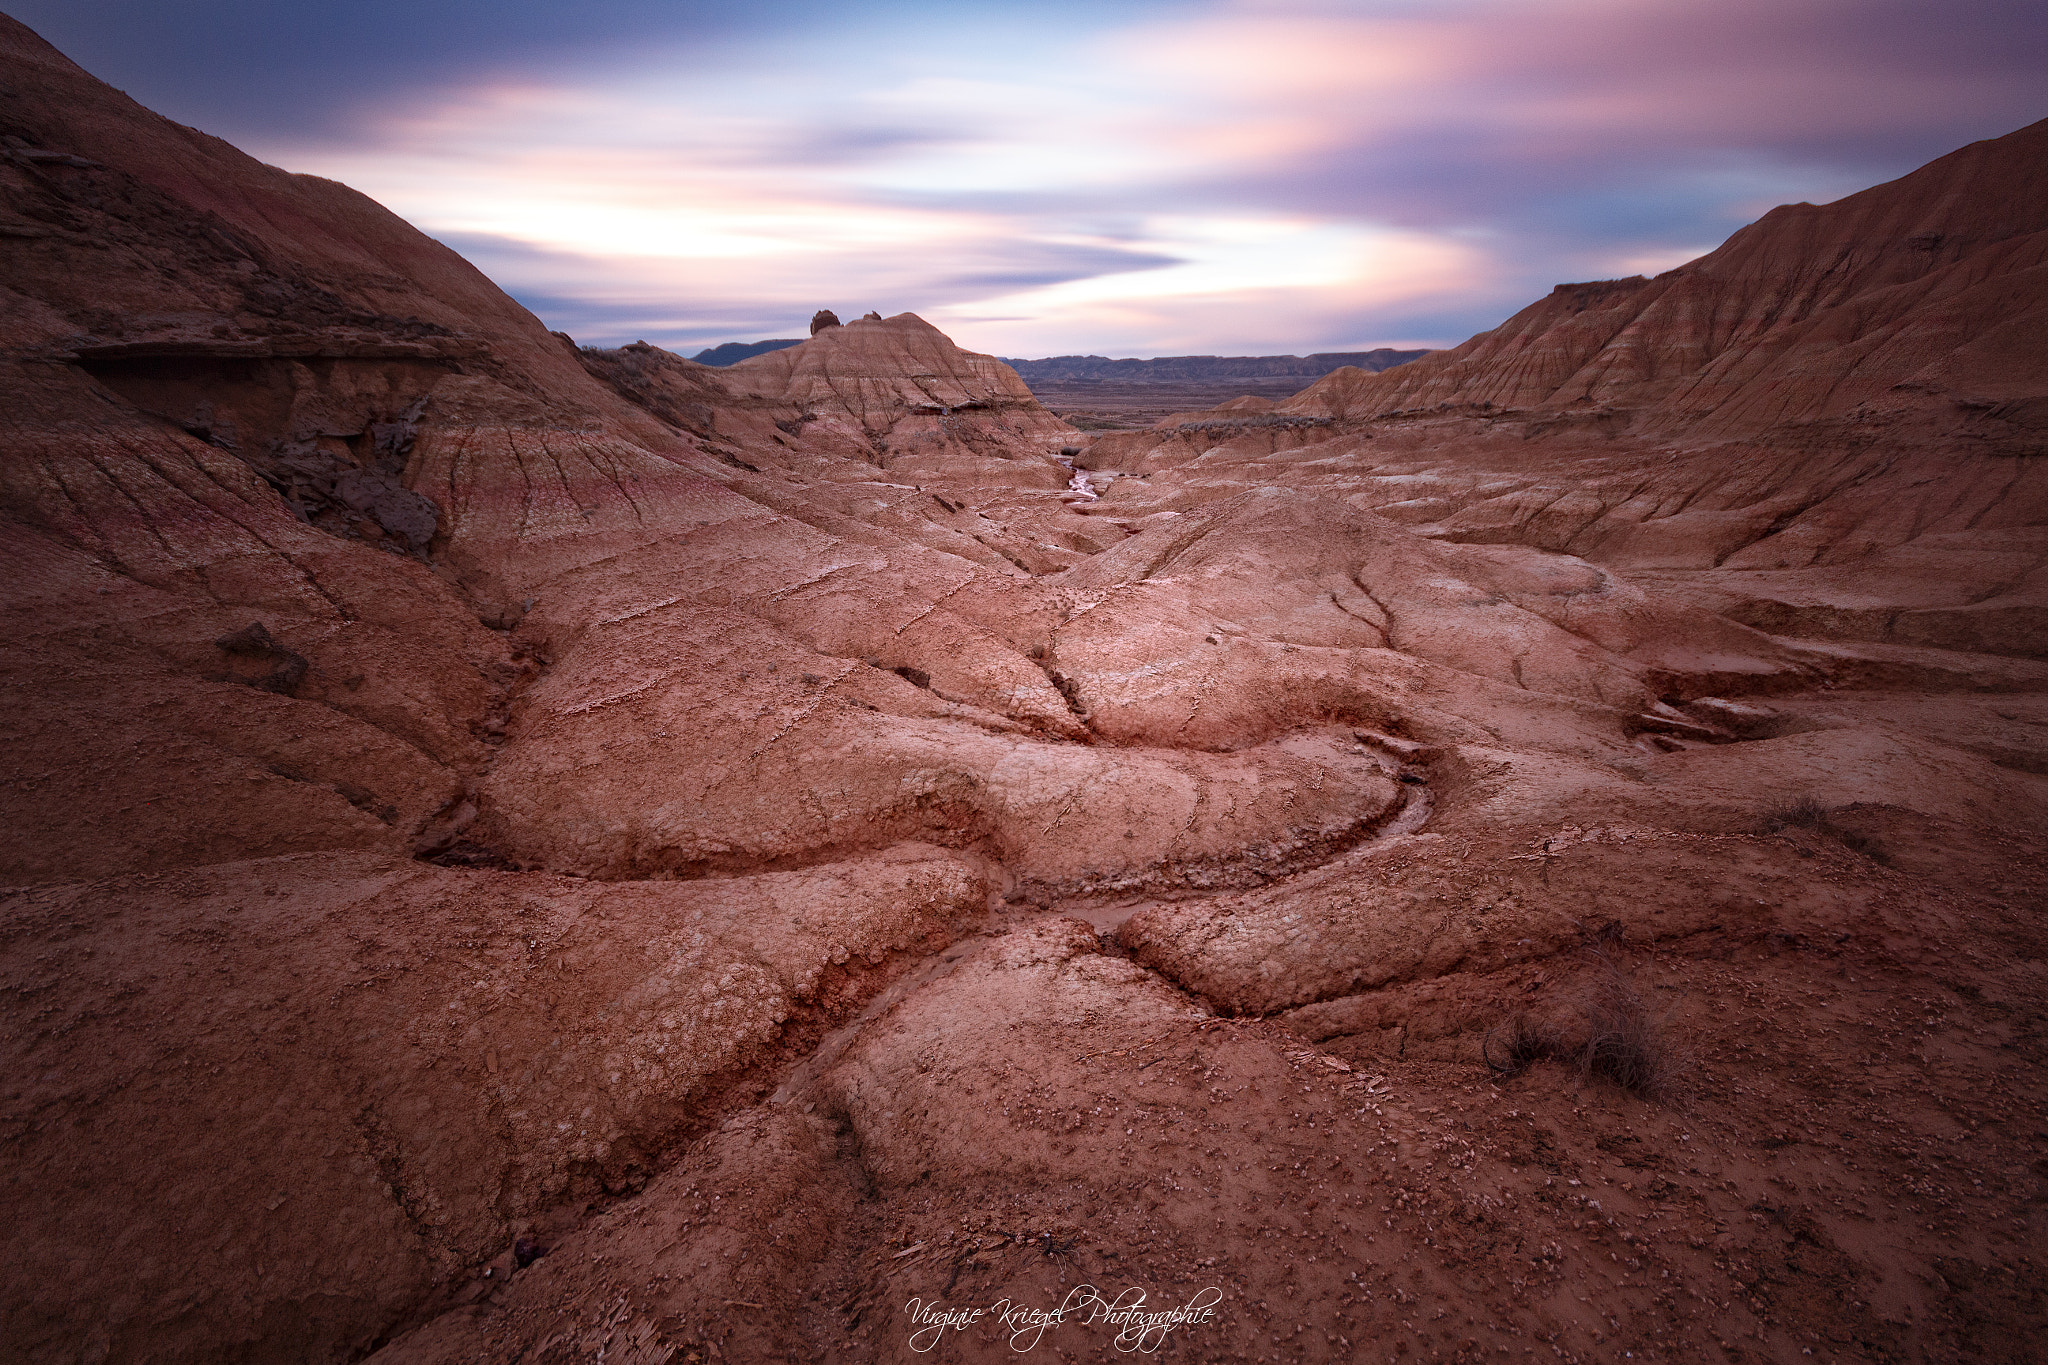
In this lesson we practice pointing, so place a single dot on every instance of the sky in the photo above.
(1117, 177)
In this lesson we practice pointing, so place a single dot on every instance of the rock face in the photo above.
(524, 851)
(823, 319)
(392, 1134)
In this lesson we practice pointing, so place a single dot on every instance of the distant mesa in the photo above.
(732, 352)
(1184, 369)
(1166, 370)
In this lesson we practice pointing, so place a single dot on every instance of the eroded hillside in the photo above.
(525, 852)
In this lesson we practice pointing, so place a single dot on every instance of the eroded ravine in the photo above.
(812, 1043)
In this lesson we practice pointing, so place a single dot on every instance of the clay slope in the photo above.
(1826, 428)
(524, 852)
(298, 576)
(1927, 295)
(874, 369)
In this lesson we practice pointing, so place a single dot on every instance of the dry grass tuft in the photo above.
(1616, 1037)
(1805, 812)
(1801, 812)
(1519, 1044)
(1624, 1042)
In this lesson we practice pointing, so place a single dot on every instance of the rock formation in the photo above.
(519, 851)
(823, 319)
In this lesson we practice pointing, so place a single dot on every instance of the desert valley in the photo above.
(523, 851)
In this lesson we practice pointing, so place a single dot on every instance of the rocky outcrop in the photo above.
(823, 319)
(894, 394)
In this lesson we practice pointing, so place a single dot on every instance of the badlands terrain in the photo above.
(1093, 393)
(526, 853)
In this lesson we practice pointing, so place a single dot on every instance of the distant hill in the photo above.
(735, 351)
(1184, 369)
(1919, 299)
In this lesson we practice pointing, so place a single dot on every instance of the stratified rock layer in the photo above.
(1925, 296)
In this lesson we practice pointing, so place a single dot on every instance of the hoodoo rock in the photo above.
(823, 319)
(527, 851)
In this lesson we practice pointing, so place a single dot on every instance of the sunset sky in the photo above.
(1116, 177)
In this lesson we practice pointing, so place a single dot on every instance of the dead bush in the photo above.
(1614, 1036)
(1624, 1042)
(1807, 813)
(1800, 812)
(1519, 1044)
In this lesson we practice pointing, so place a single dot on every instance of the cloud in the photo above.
(1264, 284)
(1238, 175)
(254, 68)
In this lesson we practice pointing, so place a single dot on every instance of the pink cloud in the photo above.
(1234, 176)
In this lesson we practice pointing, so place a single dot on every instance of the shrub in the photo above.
(1520, 1043)
(1615, 1037)
(1805, 812)
(1624, 1041)
(1801, 812)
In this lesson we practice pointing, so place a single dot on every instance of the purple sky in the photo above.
(1240, 177)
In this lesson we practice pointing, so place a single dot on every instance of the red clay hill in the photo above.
(1920, 299)
(524, 852)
